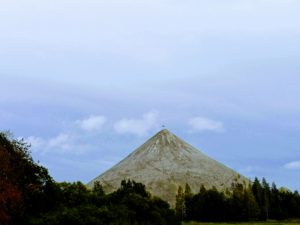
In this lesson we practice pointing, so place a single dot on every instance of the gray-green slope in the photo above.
(163, 163)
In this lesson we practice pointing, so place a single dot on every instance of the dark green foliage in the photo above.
(266, 195)
(29, 196)
(180, 204)
(130, 204)
(142, 209)
(256, 202)
(207, 205)
(187, 200)
(242, 204)
(25, 186)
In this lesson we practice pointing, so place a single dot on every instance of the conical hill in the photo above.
(163, 163)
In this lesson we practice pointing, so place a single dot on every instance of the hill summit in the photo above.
(165, 162)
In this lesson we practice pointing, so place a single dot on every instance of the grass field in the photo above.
(248, 223)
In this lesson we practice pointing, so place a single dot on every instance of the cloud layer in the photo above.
(139, 127)
(202, 124)
(92, 123)
(185, 59)
(74, 141)
(295, 165)
(63, 143)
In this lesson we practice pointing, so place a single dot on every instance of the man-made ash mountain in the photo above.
(163, 163)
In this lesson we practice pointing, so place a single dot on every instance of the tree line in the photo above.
(255, 201)
(29, 196)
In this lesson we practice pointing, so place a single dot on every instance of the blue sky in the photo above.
(86, 82)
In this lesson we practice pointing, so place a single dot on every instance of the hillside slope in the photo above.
(163, 163)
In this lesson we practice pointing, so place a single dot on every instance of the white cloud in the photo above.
(295, 165)
(62, 143)
(139, 127)
(92, 123)
(204, 124)
(35, 142)
(71, 142)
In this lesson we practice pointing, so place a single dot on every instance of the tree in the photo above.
(187, 191)
(10, 193)
(214, 205)
(188, 195)
(179, 207)
(265, 199)
(98, 194)
(257, 190)
(23, 183)
(275, 206)
(251, 206)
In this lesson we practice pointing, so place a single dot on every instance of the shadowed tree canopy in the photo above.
(23, 183)
(29, 196)
(256, 201)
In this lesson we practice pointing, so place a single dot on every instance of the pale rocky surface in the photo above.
(163, 163)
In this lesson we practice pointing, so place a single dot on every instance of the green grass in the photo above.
(290, 222)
